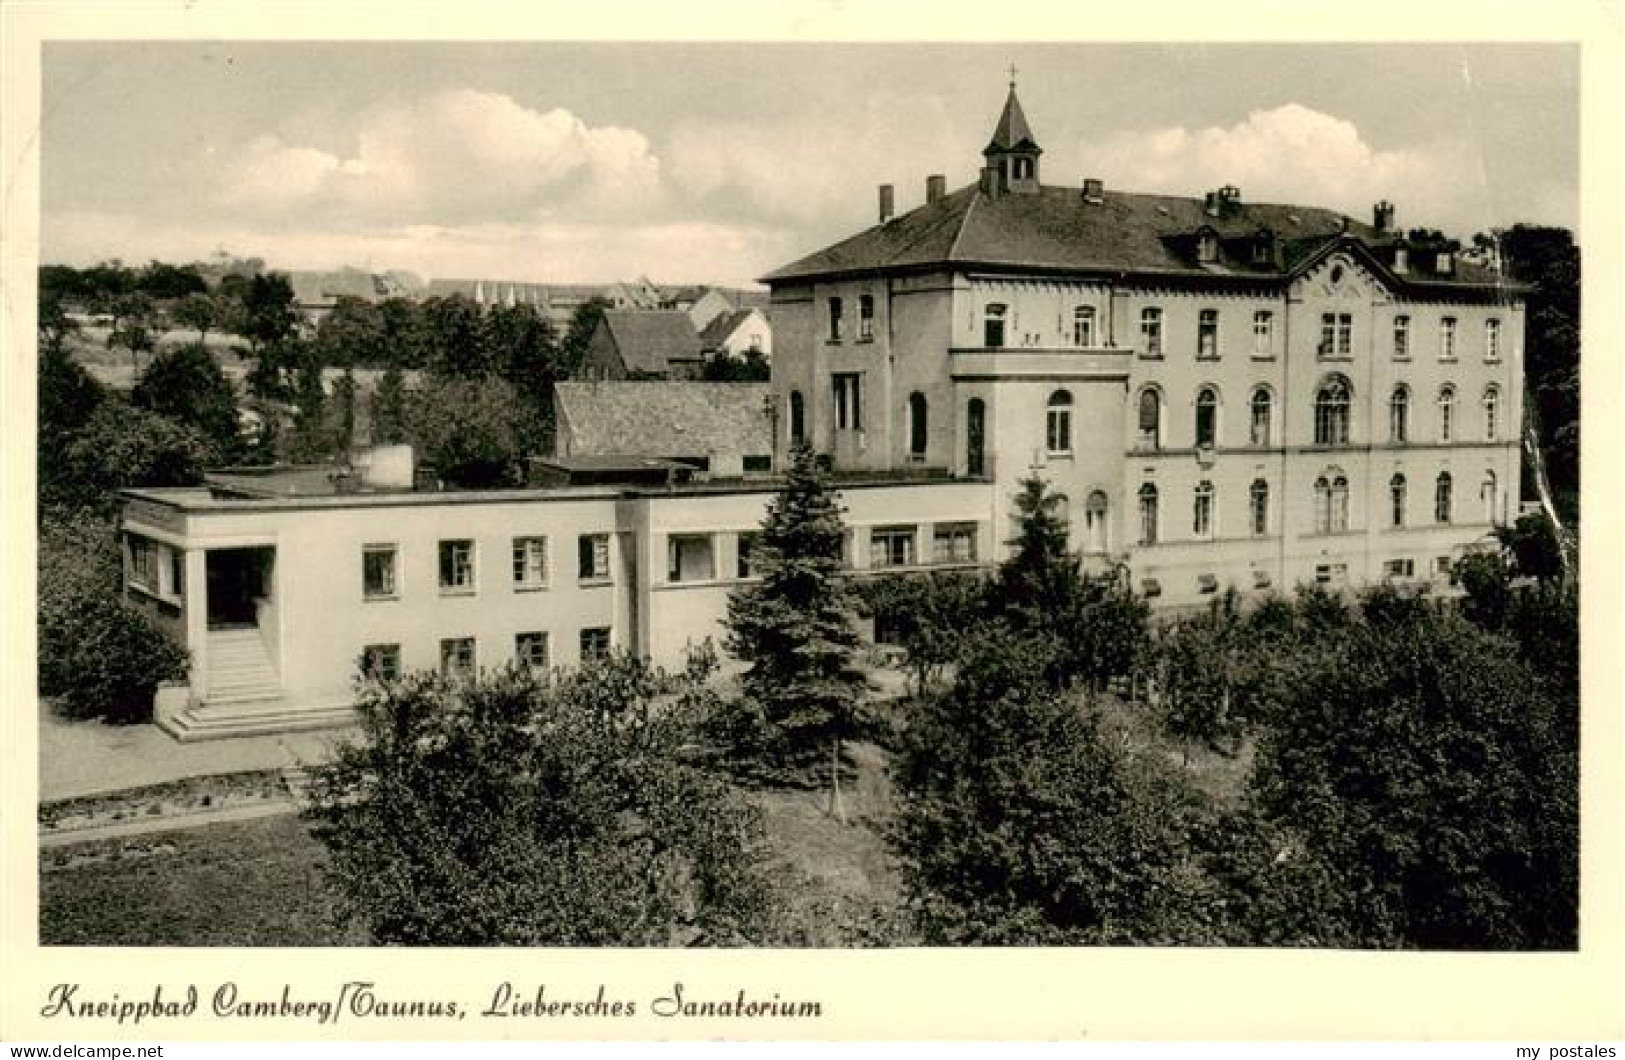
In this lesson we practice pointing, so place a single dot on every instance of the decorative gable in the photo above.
(1341, 278)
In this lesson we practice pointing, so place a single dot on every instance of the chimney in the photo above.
(936, 186)
(992, 181)
(1230, 195)
(1211, 208)
(1094, 192)
(1382, 217)
(885, 203)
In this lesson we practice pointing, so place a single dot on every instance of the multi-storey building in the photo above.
(1222, 392)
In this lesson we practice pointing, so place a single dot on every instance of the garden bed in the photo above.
(177, 798)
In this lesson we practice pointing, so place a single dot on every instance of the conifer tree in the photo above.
(794, 629)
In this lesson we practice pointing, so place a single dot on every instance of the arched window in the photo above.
(798, 418)
(1447, 412)
(1492, 412)
(1258, 506)
(916, 426)
(1096, 538)
(1207, 418)
(1083, 325)
(1340, 504)
(1148, 514)
(1058, 422)
(1202, 510)
(1331, 503)
(1491, 498)
(993, 327)
(1061, 505)
(1399, 414)
(975, 437)
(1150, 418)
(1396, 500)
(1258, 432)
(1332, 412)
(1441, 498)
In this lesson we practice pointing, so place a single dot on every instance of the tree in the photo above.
(1017, 823)
(794, 629)
(468, 429)
(1437, 778)
(928, 615)
(583, 322)
(121, 446)
(352, 334)
(185, 383)
(54, 324)
(724, 367)
(134, 319)
(68, 397)
(98, 655)
(518, 809)
(388, 408)
(200, 310)
(167, 283)
(269, 314)
(454, 338)
(519, 342)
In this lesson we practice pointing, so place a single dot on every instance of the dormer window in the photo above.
(1445, 262)
(1263, 248)
(1402, 259)
(1207, 248)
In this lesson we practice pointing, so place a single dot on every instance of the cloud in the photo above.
(1293, 153)
(817, 165)
(457, 155)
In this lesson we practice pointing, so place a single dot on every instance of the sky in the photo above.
(719, 162)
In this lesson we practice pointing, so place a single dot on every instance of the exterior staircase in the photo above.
(245, 696)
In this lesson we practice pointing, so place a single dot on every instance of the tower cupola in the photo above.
(1011, 157)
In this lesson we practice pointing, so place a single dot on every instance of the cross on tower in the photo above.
(1012, 75)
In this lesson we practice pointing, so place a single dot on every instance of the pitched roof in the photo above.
(318, 288)
(662, 418)
(722, 327)
(1054, 229)
(1012, 131)
(649, 339)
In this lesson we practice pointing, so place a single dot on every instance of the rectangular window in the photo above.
(530, 562)
(748, 540)
(1492, 340)
(594, 643)
(1151, 331)
(1083, 326)
(1331, 573)
(1402, 337)
(1399, 568)
(1336, 334)
(457, 656)
(378, 572)
(848, 401)
(1263, 334)
(177, 565)
(530, 650)
(381, 662)
(143, 563)
(1447, 339)
(891, 547)
(457, 566)
(592, 557)
(758, 465)
(866, 318)
(1207, 335)
(689, 558)
(835, 320)
(953, 543)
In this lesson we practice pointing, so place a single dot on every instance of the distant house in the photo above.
(316, 293)
(736, 333)
(724, 429)
(557, 301)
(704, 304)
(643, 342)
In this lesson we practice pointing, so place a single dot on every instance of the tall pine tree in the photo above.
(794, 629)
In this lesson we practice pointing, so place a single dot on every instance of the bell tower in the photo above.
(1011, 157)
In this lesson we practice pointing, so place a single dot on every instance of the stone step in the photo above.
(210, 723)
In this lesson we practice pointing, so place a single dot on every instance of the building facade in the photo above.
(1223, 393)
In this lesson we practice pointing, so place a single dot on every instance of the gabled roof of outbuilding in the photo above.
(665, 418)
(649, 339)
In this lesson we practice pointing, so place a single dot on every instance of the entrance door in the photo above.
(238, 579)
